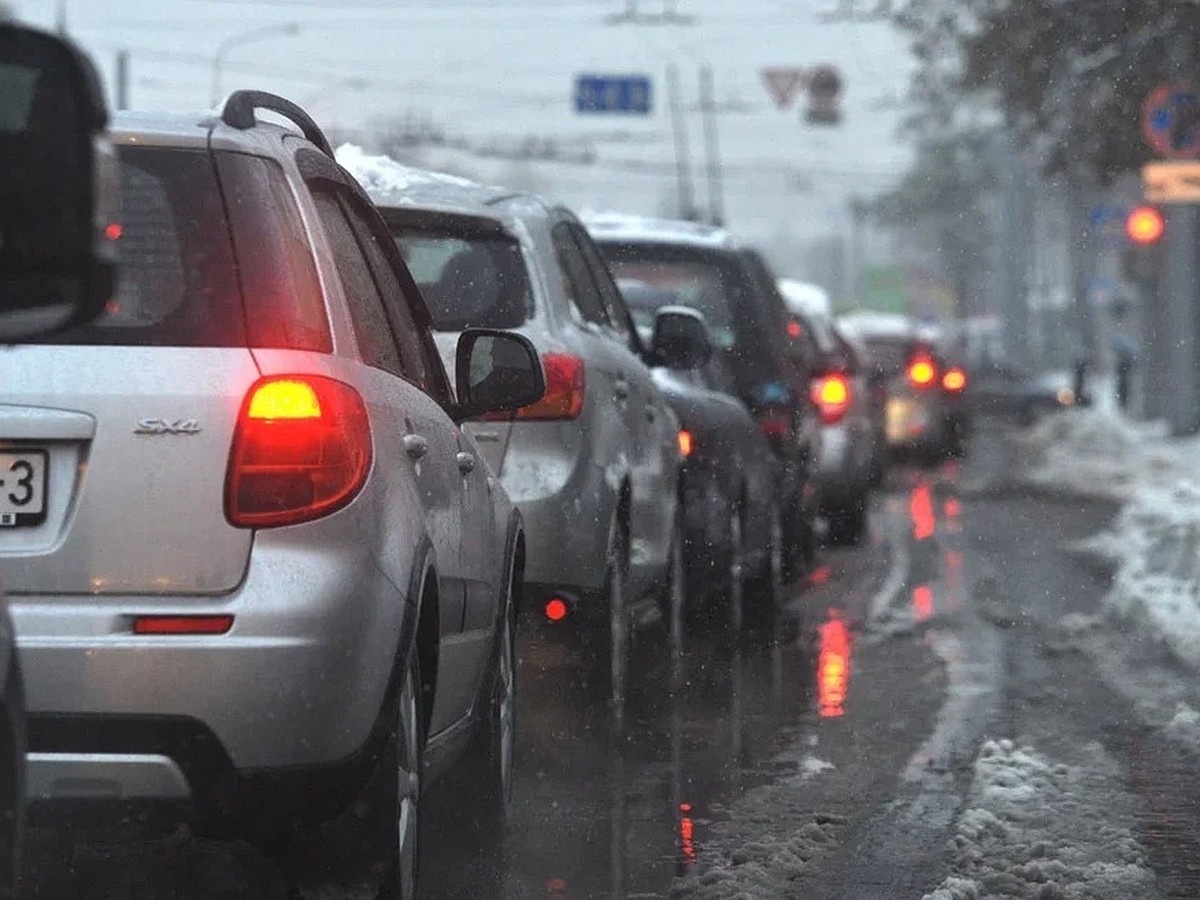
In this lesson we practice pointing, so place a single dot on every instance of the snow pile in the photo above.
(1097, 453)
(1045, 831)
(387, 181)
(768, 839)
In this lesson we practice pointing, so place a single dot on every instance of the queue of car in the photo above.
(342, 426)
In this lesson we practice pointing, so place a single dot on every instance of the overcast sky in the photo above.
(491, 69)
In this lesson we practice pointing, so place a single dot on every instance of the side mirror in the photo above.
(57, 187)
(496, 371)
(680, 339)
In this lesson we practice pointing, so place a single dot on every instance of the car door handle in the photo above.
(621, 389)
(415, 445)
(466, 462)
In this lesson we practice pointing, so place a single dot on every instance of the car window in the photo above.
(177, 284)
(371, 327)
(618, 315)
(578, 282)
(467, 280)
(404, 327)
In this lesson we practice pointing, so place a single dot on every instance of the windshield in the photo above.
(384, 535)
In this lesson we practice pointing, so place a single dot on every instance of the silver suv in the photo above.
(594, 466)
(259, 571)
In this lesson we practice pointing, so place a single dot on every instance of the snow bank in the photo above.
(1033, 828)
(768, 839)
(1097, 453)
(1154, 542)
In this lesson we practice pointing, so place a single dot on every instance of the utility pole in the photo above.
(683, 165)
(61, 23)
(716, 191)
(1180, 288)
(122, 91)
(1015, 225)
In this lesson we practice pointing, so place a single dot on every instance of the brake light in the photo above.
(776, 425)
(557, 609)
(794, 329)
(955, 380)
(301, 450)
(564, 391)
(831, 393)
(687, 443)
(922, 372)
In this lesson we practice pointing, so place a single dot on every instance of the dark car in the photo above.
(1000, 391)
(769, 370)
(732, 514)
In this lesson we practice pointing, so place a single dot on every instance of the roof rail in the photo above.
(240, 106)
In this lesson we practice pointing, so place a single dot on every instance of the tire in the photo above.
(12, 794)
(768, 589)
(404, 771)
(494, 759)
(675, 592)
(735, 573)
(848, 524)
(618, 636)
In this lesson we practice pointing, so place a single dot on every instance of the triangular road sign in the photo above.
(783, 84)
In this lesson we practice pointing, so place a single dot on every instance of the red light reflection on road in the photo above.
(821, 575)
(922, 599)
(920, 507)
(687, 832)
(833, 667)
(952, 508)
(556, 889)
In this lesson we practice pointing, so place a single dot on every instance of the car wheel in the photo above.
(735, 584)
(848, 524)
(499, 734)
(769, 588)
(406, 748)
(675, 593)
(616, 586)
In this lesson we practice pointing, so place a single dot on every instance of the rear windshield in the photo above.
(888, 355)
(651, 277)
(467, 280)
(176, 283)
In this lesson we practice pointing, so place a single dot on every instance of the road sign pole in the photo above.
(683, 165)
(716, 192)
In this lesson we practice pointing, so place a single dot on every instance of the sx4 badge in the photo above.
(167, 426)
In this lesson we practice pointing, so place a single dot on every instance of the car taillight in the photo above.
(955, 380)
(922, 372)
(831, 394)
(776, 425)
(301, 450)
(687, 443)
(564, 391)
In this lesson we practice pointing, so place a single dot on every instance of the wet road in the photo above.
(831, 752)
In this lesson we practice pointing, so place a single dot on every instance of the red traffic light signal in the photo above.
(1144, 225)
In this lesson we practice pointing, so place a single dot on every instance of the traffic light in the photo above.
(1141, 259)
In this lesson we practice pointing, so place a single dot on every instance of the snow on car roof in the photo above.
(392, 183)
(877, 324)
(804, 298)
(625, 227)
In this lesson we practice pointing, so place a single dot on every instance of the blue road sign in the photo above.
(1107, 224)
(621, 94)
(1171, 121)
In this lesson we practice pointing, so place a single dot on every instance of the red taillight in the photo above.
(687, 443)
(302, 449)
(564, 391)
(556, 609)
(776, 425)
(922, 372)
(182, 625)
(831, 393)
(955, 380)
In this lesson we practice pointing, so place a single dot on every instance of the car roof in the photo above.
(199, 130)
(392, 184)
(622, 227)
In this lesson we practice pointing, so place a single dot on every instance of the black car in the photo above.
(732, 511)
(769, 370)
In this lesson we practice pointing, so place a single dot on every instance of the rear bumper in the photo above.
(298, 681)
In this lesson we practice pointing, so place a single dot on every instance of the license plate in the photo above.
(22, 487)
